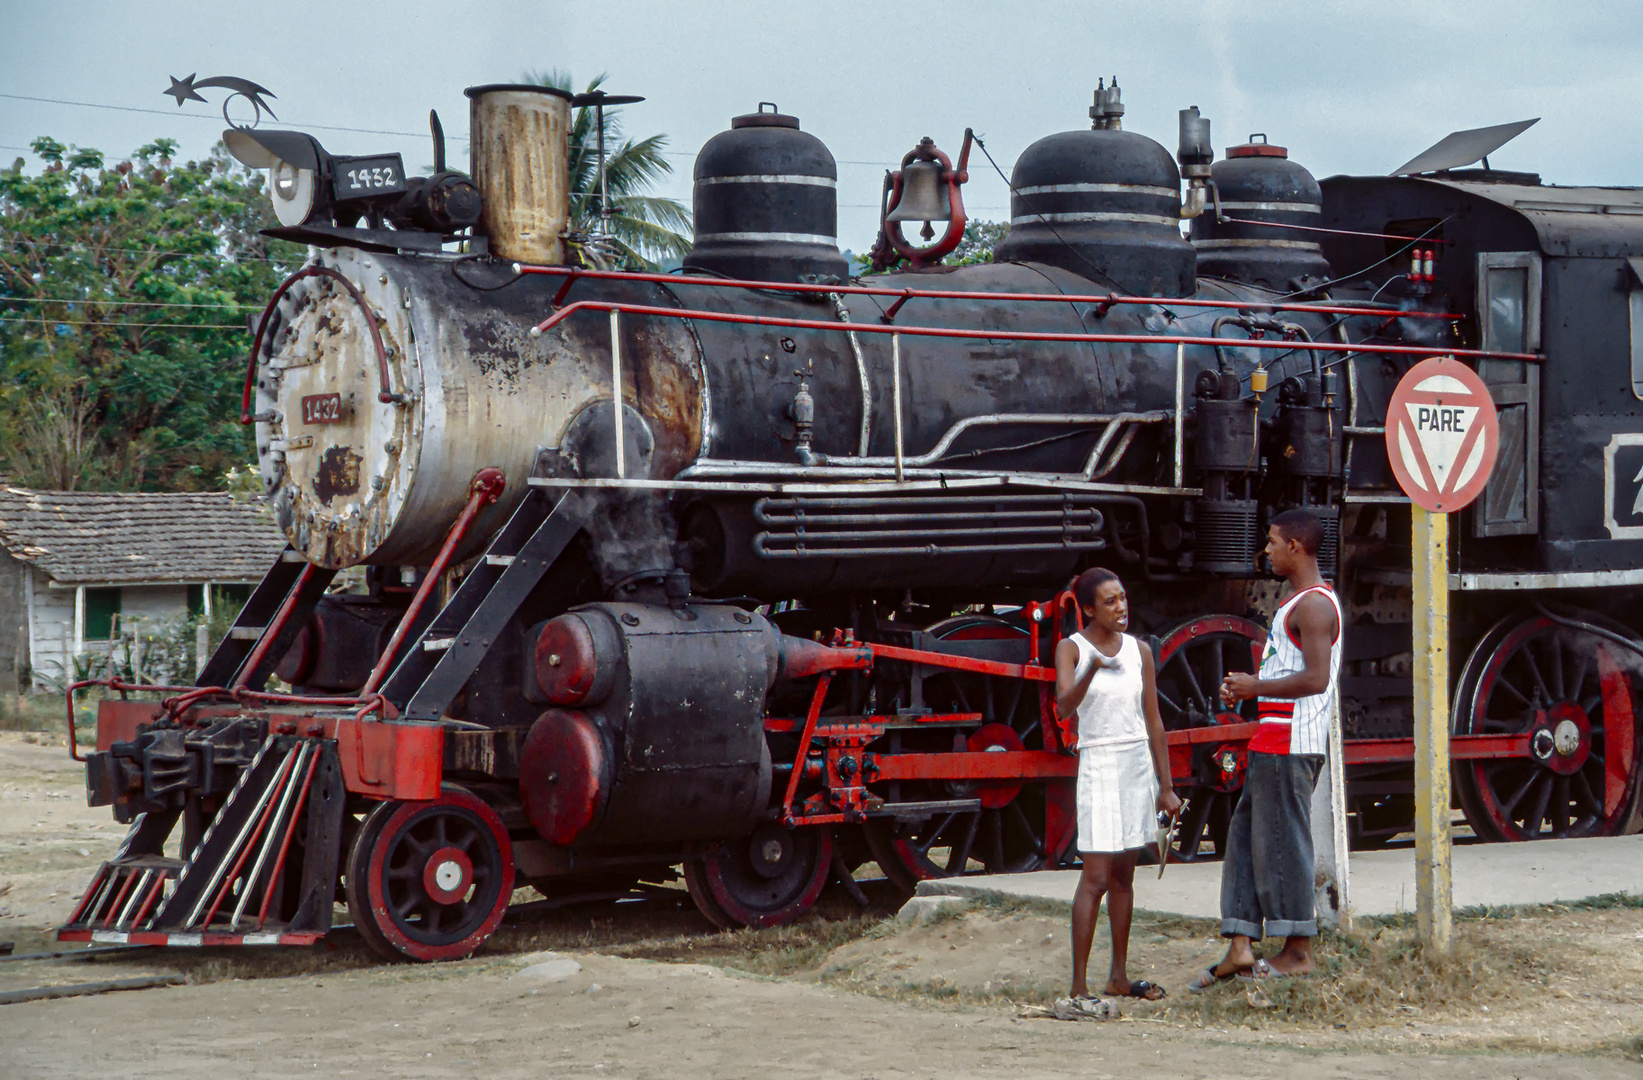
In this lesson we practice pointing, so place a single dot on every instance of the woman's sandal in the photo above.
(1142, 990)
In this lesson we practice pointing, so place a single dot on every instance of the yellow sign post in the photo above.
(1441, 439)
(1434, 892)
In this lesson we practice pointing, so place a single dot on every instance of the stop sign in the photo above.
(1442, 434)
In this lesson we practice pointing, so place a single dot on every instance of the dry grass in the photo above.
(38, 712)
(1366, 978)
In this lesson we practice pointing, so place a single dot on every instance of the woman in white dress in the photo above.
(1106, 678)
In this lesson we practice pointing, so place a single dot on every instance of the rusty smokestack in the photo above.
(520, 145)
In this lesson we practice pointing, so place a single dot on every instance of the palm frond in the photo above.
(645, 225)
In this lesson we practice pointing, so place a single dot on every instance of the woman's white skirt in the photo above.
(1117, 797)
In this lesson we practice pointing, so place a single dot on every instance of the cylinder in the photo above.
(1105, 205)
(519, 142)
(673, 749)
(766, 203)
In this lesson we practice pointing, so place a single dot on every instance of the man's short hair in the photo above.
(1085, 585)
(1303, 527)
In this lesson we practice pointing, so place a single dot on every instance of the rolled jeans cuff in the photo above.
(1285, 928)
(1233, 927)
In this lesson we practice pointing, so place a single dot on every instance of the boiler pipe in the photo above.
(616, 387)
(895, 384)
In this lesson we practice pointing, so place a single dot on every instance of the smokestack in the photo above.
(519, 139)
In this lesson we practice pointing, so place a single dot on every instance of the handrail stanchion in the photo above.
(616, 390)
(1180, 410)
(895, 393)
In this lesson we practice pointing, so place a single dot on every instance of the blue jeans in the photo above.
(1267, 877)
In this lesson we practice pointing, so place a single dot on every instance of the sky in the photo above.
(1348, 87)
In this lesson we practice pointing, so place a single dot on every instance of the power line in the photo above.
(143, 251)
(141, 325)
(324, 127)
(237, 305)
(209, 116)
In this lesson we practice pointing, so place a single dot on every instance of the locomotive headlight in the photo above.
(283, 179)
(292, 192)
(294, 161)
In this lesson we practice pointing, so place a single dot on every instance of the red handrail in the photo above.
(384, 395)
(486, 488)
(1019, 335)
(573, 273)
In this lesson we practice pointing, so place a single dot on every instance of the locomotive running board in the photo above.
(450, 648)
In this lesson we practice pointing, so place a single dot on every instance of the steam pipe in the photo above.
(861, 374)
(989, 419)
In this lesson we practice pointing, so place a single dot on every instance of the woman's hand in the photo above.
(1169, 802)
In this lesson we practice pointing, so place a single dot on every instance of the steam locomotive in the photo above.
(755, 569)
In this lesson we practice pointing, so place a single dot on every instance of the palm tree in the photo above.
(643, 227)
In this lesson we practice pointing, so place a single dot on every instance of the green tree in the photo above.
(124, 297)
(979, 240)
(645, 227)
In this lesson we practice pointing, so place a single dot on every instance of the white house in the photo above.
(79, 567)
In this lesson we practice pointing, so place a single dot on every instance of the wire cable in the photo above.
(139, 325)
(1102, 274)
(242, 305)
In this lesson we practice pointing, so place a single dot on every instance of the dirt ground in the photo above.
(649, 990)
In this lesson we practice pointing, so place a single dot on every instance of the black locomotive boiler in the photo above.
(755, 569)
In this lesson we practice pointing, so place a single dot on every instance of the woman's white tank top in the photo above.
(1111, 710)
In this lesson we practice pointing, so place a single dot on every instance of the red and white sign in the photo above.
(1442, 434)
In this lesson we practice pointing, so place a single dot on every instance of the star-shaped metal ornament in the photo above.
(183, 90)
(187, 90)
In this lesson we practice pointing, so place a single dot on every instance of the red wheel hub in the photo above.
(1562, 740)
(430, 880)
(995, 738)
(447, 875)
(1229, 764)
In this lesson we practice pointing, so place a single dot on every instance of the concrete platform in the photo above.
(1382, 882)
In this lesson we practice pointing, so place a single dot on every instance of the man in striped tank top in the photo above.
(1267, 874)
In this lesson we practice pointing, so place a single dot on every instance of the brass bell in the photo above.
(924, 196)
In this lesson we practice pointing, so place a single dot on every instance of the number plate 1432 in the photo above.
(322, 409)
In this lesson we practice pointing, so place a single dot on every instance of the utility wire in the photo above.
(318, 127)
(142, 325)
(141, 251)
(246, 305)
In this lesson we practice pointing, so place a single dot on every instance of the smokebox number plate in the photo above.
(356, 177)
(322, 409)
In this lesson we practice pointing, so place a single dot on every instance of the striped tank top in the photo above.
(1296, 725)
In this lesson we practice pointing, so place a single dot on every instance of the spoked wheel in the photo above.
(1192, 660)
(768, 878)
(1007, 834)
(1570, 692)
(430, 880)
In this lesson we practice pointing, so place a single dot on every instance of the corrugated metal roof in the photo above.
(130, 538)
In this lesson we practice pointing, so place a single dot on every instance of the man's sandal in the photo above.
(1261, 971)
(1209, 978)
